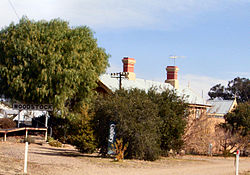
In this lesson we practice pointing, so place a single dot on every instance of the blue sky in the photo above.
(213, 35)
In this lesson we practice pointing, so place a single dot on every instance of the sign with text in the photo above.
(111, 139)
(39, 107)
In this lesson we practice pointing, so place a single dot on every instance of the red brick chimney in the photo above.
(172, 72)
(128, 66)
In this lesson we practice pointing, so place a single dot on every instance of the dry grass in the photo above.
(245, 173)
(44, 159)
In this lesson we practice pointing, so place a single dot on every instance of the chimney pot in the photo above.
(128, 66)
(172, 72)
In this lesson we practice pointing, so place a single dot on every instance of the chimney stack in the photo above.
(128, 66)
(172, 72)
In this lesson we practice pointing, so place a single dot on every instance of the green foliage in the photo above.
(81, 133)
(53, 142)
(6, 123)
(238, 87)
(152, 123)
(60, 127)
(238, 121)
(76, 129)
(172, 111)
(137, 122)
(49, 62)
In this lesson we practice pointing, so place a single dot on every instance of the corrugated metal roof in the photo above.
(220, 106)
(113, 84)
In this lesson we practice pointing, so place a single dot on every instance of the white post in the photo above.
(46, 125)
(46, 119)
(26, 157)
(237, 162)
(5, 135)
(26, 133)
(46, 134)
(18, 119)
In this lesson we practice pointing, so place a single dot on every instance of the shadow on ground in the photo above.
(63, 152)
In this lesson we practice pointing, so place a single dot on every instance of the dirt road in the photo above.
(59, 161)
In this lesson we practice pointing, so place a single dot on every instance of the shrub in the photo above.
(119, 149)
(136, 119)
(60, 127)
(75, 129)
(6, 123)
(53, 142)
(81, 133)
(173, 115)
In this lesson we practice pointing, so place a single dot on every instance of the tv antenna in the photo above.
(174, 57)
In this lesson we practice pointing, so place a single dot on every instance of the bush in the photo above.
(81, 133)
(6, 123)
(136, 119)
(119, 149)
(75, 129)
(173, 115)
(60, 127)
(54, 143)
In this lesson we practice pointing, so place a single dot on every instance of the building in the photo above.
(219, 108)
(127, 79)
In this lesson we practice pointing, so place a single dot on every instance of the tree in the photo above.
(198, 135)
(228, 142)
(173, 114)
(238, 121)
(219, 91)
(237, 128)
(49, 62)
(238, 87)
(136, 119)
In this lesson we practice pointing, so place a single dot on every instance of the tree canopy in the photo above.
(49, 62)
(238, 87)
(238, 121)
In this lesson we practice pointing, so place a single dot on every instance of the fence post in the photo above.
(26, 157)
(237, 162)
(5, 136)
(18, 123)
(26, 133)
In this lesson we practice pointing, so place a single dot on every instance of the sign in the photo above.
(39, 107)
(111, 140)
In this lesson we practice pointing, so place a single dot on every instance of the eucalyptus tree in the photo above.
(238, 87)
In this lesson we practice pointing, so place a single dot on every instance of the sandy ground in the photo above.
(43, 159)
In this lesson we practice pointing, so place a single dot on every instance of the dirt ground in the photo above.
(43, 159)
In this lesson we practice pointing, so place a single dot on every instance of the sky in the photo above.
(213, 36)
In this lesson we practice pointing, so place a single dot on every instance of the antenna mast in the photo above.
(174, 57)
